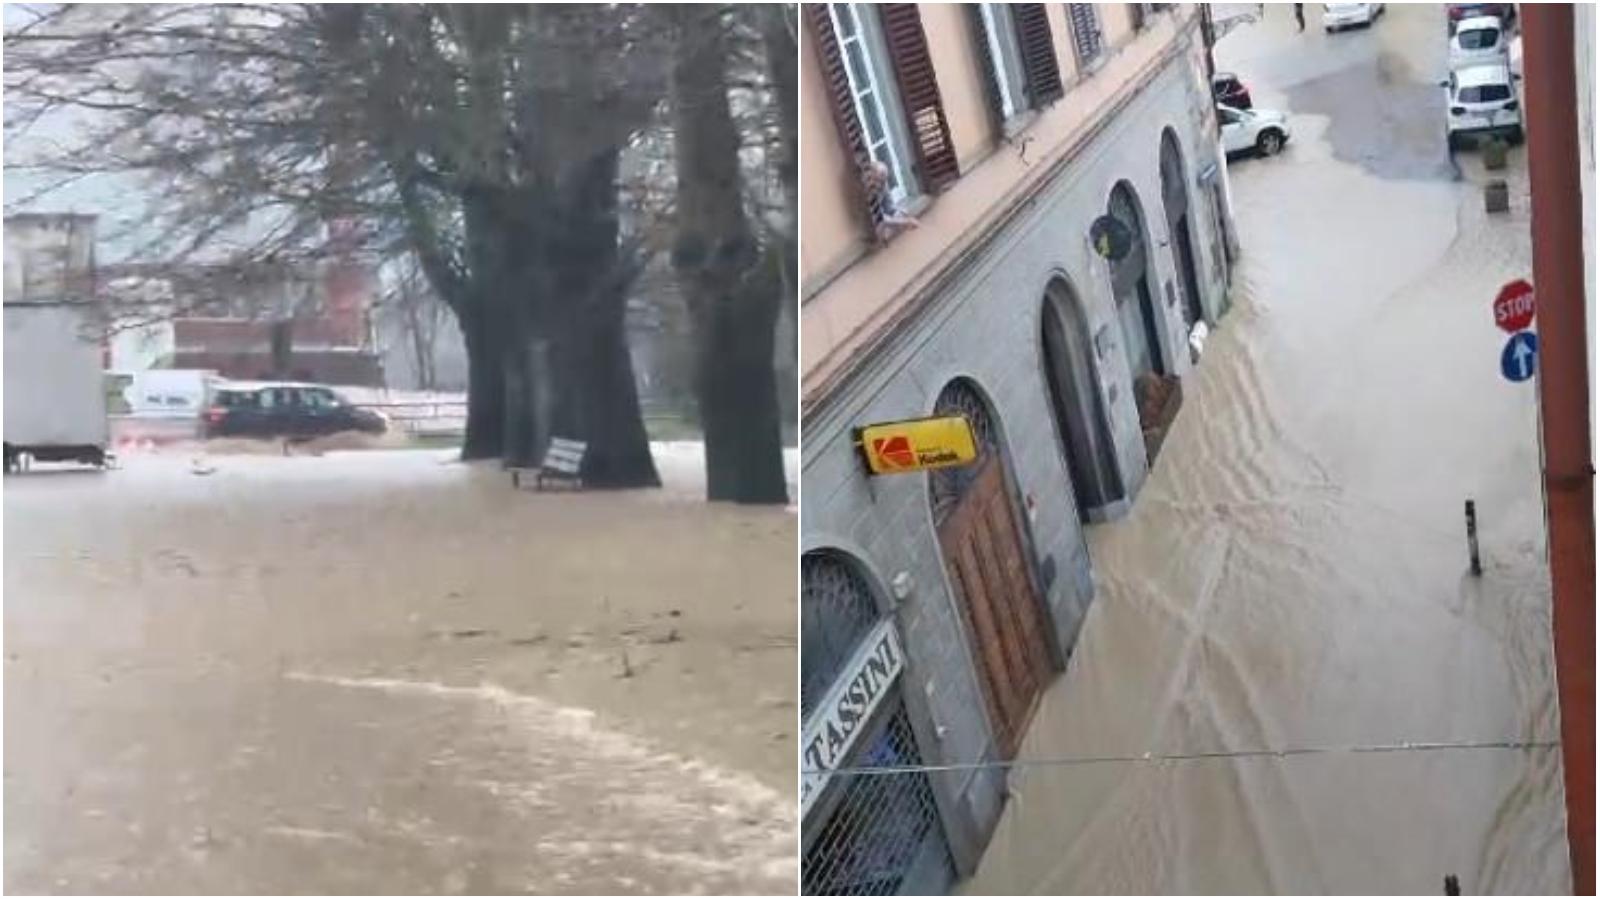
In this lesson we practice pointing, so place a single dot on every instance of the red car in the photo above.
(1228, 90)
(1455, 12)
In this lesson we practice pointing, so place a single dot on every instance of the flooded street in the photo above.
(387, 672)
(1294, 574)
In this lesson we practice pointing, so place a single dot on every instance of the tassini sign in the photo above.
(836, 724)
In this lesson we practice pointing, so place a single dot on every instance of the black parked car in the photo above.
(284, 410)
(1230, 91)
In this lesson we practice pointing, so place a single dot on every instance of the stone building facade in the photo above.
(936, 606)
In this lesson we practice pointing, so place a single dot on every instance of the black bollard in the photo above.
(1472, 537)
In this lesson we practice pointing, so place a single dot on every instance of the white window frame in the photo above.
(861, 35)
(1000, 31)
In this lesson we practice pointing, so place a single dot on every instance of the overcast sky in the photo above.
(117, 200)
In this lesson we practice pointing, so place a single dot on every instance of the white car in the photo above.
(1339, 16)
(1481, 100)
(1245, 130)
(1481, 39)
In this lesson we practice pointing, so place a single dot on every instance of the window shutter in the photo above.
(845, 120)
(1085, 31)
(919, 94)
(986, 63)
(1038, 53)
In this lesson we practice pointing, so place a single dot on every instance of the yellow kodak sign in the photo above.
(893, 448)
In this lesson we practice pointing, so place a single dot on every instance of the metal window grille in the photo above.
(879, 830)
(946, 486)
(836, 612)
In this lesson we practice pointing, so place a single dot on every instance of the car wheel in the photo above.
(1517, 135)
(1451, 141)
(1269, 142)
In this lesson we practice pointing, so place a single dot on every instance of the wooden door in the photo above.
(986, 560)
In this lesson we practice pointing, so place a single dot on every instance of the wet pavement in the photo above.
(1294, 573)
(386, 672)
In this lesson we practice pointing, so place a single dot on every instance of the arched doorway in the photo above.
(1130, 283)
(992, 571)
(865, 834)
(1175, 200)
(1073, 382)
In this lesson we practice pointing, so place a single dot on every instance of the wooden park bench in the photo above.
(563, 462)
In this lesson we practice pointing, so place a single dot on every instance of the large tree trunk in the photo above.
(719, 264)
(738, 400)
(608, 400)
(568, 372)
(525, 436)
(485, 438)
(495, 347)
(598, 400)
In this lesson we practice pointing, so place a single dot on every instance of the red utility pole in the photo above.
(1553, 173)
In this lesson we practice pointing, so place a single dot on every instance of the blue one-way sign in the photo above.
(1520, 357)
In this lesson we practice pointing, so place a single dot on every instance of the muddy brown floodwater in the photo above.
(384, 672)
(1294, 574)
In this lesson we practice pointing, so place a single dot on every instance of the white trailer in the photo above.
(55, 391)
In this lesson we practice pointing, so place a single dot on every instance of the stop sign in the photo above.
(1513, 306)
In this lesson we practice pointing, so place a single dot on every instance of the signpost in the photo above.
(1520, 357)
(894, 448)
(1513, 306)
(1513, 312)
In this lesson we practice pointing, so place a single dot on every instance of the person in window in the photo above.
(887, 218)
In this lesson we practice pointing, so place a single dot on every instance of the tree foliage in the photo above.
(523, 155)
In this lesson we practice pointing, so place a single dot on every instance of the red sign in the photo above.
(1513, 306)
(896, 451)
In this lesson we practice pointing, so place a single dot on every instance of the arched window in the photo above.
(836, 612)
(946, 486)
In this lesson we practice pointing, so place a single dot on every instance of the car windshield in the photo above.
(1479, 38)
(1484, 93)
